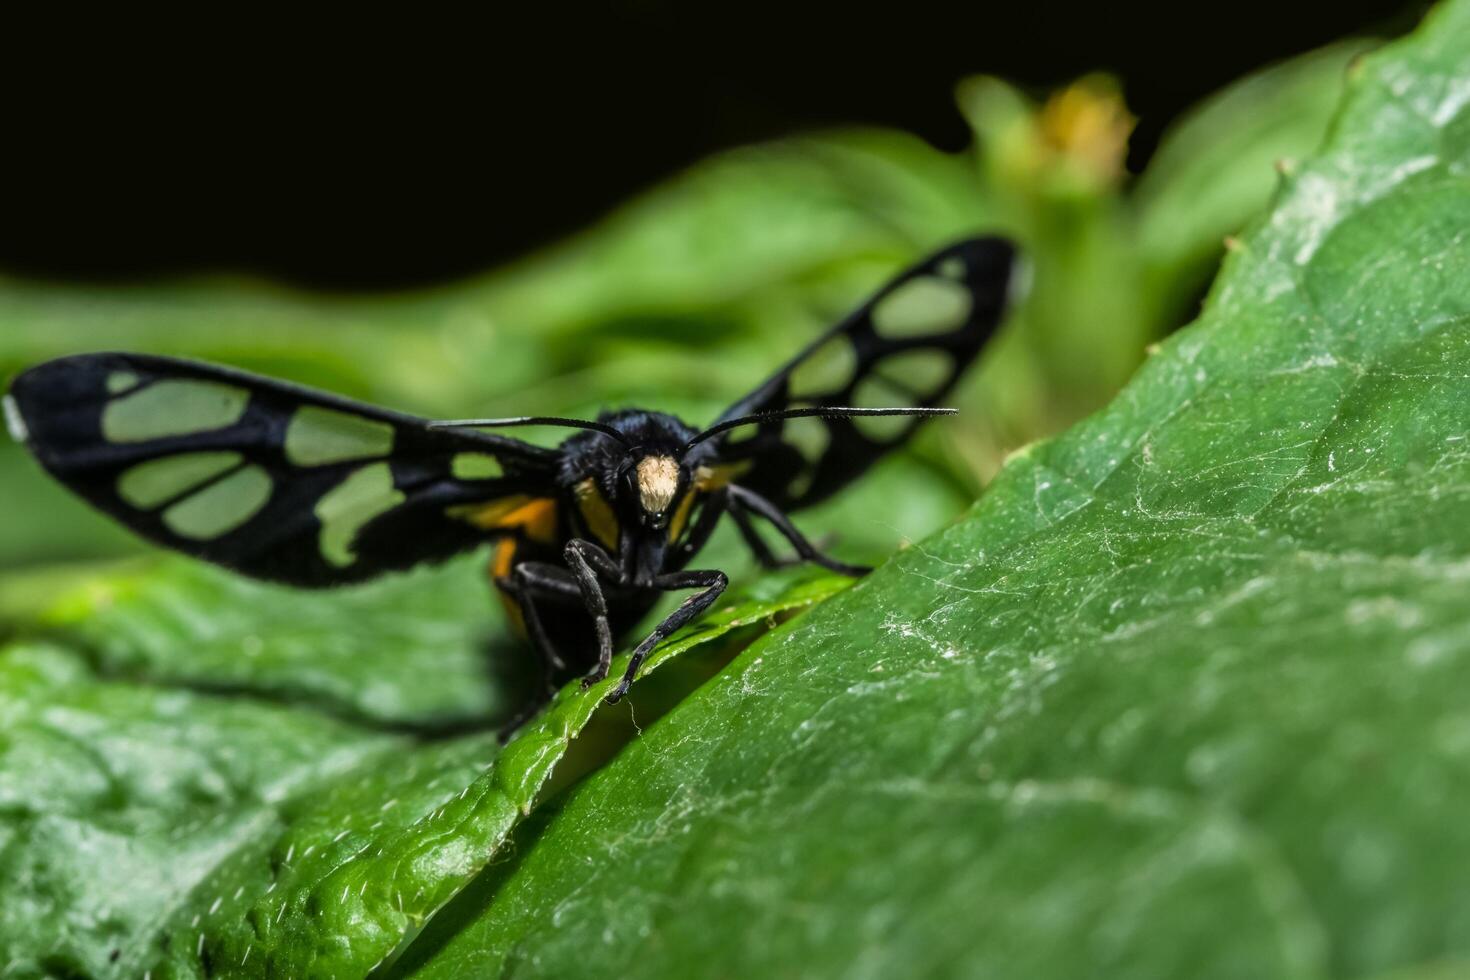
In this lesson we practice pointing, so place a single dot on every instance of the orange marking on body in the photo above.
(681, 516)
(535, 516)
(710, 478)
(601, 520)
(539, 519)
(502, 560)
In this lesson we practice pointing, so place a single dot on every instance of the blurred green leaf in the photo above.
(1184, 695)
(1217, 165)
(200, 782)
(407, 649)
(1080, 333)
(49, 525)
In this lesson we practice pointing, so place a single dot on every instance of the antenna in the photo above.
(832, 412)
(602, 427)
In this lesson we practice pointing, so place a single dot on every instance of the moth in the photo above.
(294, 485)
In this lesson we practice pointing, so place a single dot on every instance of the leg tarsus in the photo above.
(530, 580)
(526, 583)
(581, 557)
(712, 583)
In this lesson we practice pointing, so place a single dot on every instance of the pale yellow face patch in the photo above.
(172, 408)
(221, 507)
(658, 481)
(827, 369)
(475, 466)
(158, 481)
(351, 504)
(923, 306)
(318, 436)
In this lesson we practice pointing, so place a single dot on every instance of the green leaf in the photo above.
(227, 779)
(409, 649)
(1184, 695)
(119, 801)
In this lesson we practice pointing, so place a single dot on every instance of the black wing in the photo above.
(905, 347)
(274, 480)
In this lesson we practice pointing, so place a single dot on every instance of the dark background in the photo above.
(377, 155)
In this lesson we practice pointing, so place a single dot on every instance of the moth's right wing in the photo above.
(271, 479)
(905, 347)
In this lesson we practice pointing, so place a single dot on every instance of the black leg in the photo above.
(533, 579)
(749, 500)
(713, 583)
(581, 557)
(710, 512)
(596, 556)
(529, 581)
(754, 541)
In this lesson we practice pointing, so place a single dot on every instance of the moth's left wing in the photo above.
(903, 348)
(274, 480)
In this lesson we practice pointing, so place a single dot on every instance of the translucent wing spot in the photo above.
(14, 422)
(875, 391)
(121, 381)
(919, 374)
(173, 408)
(347, 507)
(810, 437)
(220, 507)
(157, 481)
(826, 370)
(741, 434)
(953, 267)
(475, 466)
(318, 436)
(922, 307)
